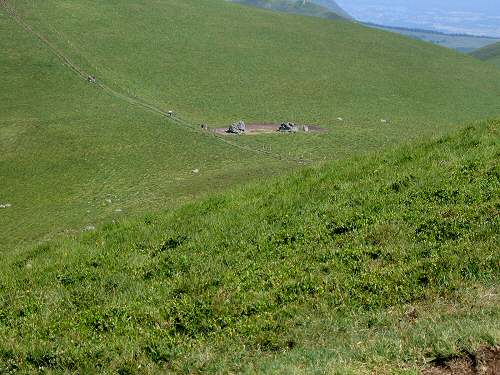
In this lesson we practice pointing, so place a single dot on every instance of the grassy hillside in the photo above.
(376, 263)
(286, 66)
(74, 156)
(489, 53)
(292, 6)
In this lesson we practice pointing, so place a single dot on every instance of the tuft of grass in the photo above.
(380, 262)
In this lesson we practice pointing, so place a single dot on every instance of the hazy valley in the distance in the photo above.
(481, 18)
(462, 26)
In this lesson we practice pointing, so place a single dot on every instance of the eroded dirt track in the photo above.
(486, 361)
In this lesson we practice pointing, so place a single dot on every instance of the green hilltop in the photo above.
(76, 156)
(376, 262)
(489, 53)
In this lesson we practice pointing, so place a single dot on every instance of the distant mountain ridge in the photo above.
(334, 7)
(317, 8)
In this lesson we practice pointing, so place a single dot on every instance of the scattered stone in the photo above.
(118, 210)
(204, 126)
(108, 200)
(88, 228)
(196, 171)
(237, 128)
(5, 205)
(305, 128)
(340, 119)
(384, 121)
(288, 127)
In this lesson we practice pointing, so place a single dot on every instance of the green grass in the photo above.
(68, 148)
(318, 271)
(267, 66)
(489, 53)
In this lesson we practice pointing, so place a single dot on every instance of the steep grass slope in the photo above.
(368, 264)
(489, 53)
(73, 156)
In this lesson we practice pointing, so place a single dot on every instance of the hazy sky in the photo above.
(456, 16)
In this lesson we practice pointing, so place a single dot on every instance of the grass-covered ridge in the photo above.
(69, 149)
(489, 53)
(373, 262)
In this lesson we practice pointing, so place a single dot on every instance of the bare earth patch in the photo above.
(486, 361)
(253, 129)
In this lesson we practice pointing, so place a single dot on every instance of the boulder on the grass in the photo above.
(237, 128)
(288, 127)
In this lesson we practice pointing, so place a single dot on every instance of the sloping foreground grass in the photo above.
(377, 262)
(489, 53)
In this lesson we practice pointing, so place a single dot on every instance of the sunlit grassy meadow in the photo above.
(67, 148)
(382, 261)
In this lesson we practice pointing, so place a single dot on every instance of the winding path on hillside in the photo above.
(134, 101)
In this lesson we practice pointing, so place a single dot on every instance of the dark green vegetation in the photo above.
(461, 43)
(375, 262)
(490, 54)
(293, 6)
(68, 149)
